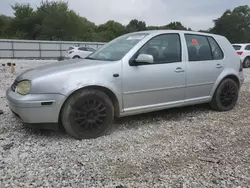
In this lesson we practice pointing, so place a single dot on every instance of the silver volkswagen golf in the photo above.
(135, 73)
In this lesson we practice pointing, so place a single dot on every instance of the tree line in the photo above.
(53, 20)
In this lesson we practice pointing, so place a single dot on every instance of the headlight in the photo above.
(23, 87)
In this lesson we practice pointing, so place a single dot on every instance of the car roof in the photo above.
(176, 31)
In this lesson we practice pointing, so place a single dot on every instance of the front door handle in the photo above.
(179, 69)
(219, 66)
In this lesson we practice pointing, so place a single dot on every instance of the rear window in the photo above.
(82, 48)
(237, 47)
(70, 48)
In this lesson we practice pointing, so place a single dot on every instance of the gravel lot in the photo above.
(161, 149)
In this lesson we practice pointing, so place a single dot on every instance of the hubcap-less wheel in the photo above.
(247, 63)
(89, 115)
(225, 96)
(228, 94)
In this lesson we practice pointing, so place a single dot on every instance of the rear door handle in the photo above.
(179, 69)
(219, 66)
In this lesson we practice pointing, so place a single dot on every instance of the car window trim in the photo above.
(218, 46)
(185, 34)
(132, 59)
(206, 36)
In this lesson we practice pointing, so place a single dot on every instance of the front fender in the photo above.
(112, 85)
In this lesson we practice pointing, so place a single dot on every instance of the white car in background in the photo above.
(77, 52)
(244, 52)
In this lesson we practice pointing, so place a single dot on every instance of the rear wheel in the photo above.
(87, 114)
(246, 63)
(225, 96)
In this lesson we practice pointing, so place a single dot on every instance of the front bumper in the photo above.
(35, 108)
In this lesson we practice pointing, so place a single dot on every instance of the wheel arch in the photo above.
(76, 56)
(247, 57)
(233, 77)
(105, 90)
(230, 76)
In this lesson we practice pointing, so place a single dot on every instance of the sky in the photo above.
(196, 14)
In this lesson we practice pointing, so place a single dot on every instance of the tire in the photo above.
(228, 89)
(246, 63)
(87, 114)
(76, 57)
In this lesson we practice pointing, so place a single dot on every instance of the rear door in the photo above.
(205, 63)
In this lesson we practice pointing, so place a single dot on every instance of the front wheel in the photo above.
(225, 96)
(87, 114)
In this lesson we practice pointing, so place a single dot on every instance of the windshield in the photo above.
(237, 47)
(118, 48)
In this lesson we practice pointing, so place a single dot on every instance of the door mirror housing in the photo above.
(145, 58)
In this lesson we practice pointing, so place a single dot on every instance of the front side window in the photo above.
(198, 48)
(164, 48)
(118, 48)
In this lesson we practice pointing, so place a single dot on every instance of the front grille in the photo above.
(13, 86)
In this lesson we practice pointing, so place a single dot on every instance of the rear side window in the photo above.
(203, 48)
(70, 48)
(198, 48)
(247, 47)
(237, 47)
(216, 50)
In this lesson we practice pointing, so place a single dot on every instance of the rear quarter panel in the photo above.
(231, 58)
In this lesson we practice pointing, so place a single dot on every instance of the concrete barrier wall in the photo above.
(36, 49)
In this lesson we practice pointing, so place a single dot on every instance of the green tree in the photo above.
(23, 24)
(175, 26)
(5, 22)
(53, 20)
(136, 25)
(170, 26)
(108, 31)
(235, 25)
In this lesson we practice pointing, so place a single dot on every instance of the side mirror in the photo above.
(145, 58)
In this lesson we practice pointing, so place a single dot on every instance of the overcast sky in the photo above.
(197, 14)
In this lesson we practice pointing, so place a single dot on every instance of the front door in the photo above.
(156, 85)
(203, 67)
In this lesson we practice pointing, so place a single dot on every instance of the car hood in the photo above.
(58, 67)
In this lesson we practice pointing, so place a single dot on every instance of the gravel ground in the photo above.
(185, 147)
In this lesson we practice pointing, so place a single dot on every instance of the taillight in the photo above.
(240, 53)
(70, 52)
